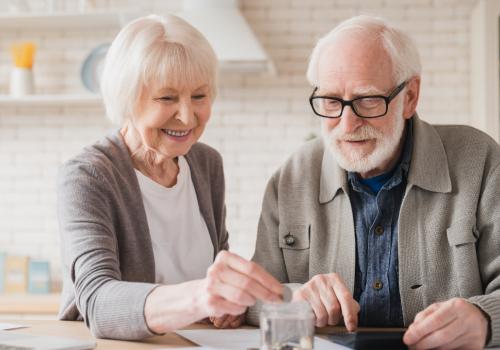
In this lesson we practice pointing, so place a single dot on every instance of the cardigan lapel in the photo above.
(200, 181)
(126, 168)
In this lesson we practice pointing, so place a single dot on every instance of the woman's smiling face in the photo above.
(171, 119)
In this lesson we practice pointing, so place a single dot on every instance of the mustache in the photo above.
(365, 132)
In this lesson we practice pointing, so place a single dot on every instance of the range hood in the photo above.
(234, 43)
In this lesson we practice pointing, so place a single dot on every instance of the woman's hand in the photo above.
(232, 284)
(228, 321)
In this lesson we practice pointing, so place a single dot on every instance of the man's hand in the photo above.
(330, 300)
(453, 324)
(228, 321)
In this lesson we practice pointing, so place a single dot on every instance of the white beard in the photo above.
(357, 161)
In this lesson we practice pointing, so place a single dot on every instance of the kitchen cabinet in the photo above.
(485, 62)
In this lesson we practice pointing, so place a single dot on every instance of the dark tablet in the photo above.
(370, 340)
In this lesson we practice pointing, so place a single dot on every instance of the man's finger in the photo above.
(442, 337)
(331, 303)
(426, 312)
(431, 323)
(319, 310)
(348, 306)
(459, 343)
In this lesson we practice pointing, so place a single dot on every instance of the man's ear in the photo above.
(412, 93)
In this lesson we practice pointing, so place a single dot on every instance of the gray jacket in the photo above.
(108, 262)
(449, 222)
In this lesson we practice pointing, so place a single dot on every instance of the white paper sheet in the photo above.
(241, 339)
(7, 326)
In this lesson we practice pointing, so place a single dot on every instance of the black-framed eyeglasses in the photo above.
(364, 106)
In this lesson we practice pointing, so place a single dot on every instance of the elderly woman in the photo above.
(142, 214)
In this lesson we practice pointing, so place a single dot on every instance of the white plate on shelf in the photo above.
(92, 67)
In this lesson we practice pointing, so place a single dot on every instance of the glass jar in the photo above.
(287, 326)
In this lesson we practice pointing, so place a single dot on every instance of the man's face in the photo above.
(351, 67)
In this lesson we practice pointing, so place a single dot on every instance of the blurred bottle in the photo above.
(21, 80)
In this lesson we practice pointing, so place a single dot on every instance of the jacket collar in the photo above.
(429, 168)
(333, 178)
(428, 165)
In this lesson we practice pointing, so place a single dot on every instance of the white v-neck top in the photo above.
(182, 246)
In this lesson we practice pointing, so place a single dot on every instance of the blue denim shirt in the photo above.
(376, 215)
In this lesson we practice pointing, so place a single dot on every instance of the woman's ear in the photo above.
(411, 97)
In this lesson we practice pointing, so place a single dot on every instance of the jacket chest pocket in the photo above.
(294, 241)
(462, 237)
(294, 237)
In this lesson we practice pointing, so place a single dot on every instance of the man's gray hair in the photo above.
(399, 46)
(154, 52)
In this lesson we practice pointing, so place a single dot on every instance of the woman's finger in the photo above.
(217, 306)
(238, 321)
(230, 293)
(245, 283)
(252, 270)
(219, 321)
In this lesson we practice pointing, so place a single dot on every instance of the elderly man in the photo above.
(388, 220)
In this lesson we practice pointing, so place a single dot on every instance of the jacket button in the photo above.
(289, 239)
(379, 230)
(377, 285)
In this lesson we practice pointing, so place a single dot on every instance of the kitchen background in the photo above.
(258, 118)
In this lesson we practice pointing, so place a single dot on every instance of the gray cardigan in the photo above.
(108, 262)
(449, 221)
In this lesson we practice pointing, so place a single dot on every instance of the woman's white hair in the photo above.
(154, 52)
(399, 46)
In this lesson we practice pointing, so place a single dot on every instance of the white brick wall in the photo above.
(258, 119)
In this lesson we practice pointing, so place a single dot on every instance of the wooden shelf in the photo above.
(29, 21)
(29, 304)
(56, 100)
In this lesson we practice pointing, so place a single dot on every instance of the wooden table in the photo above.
(77, 329)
